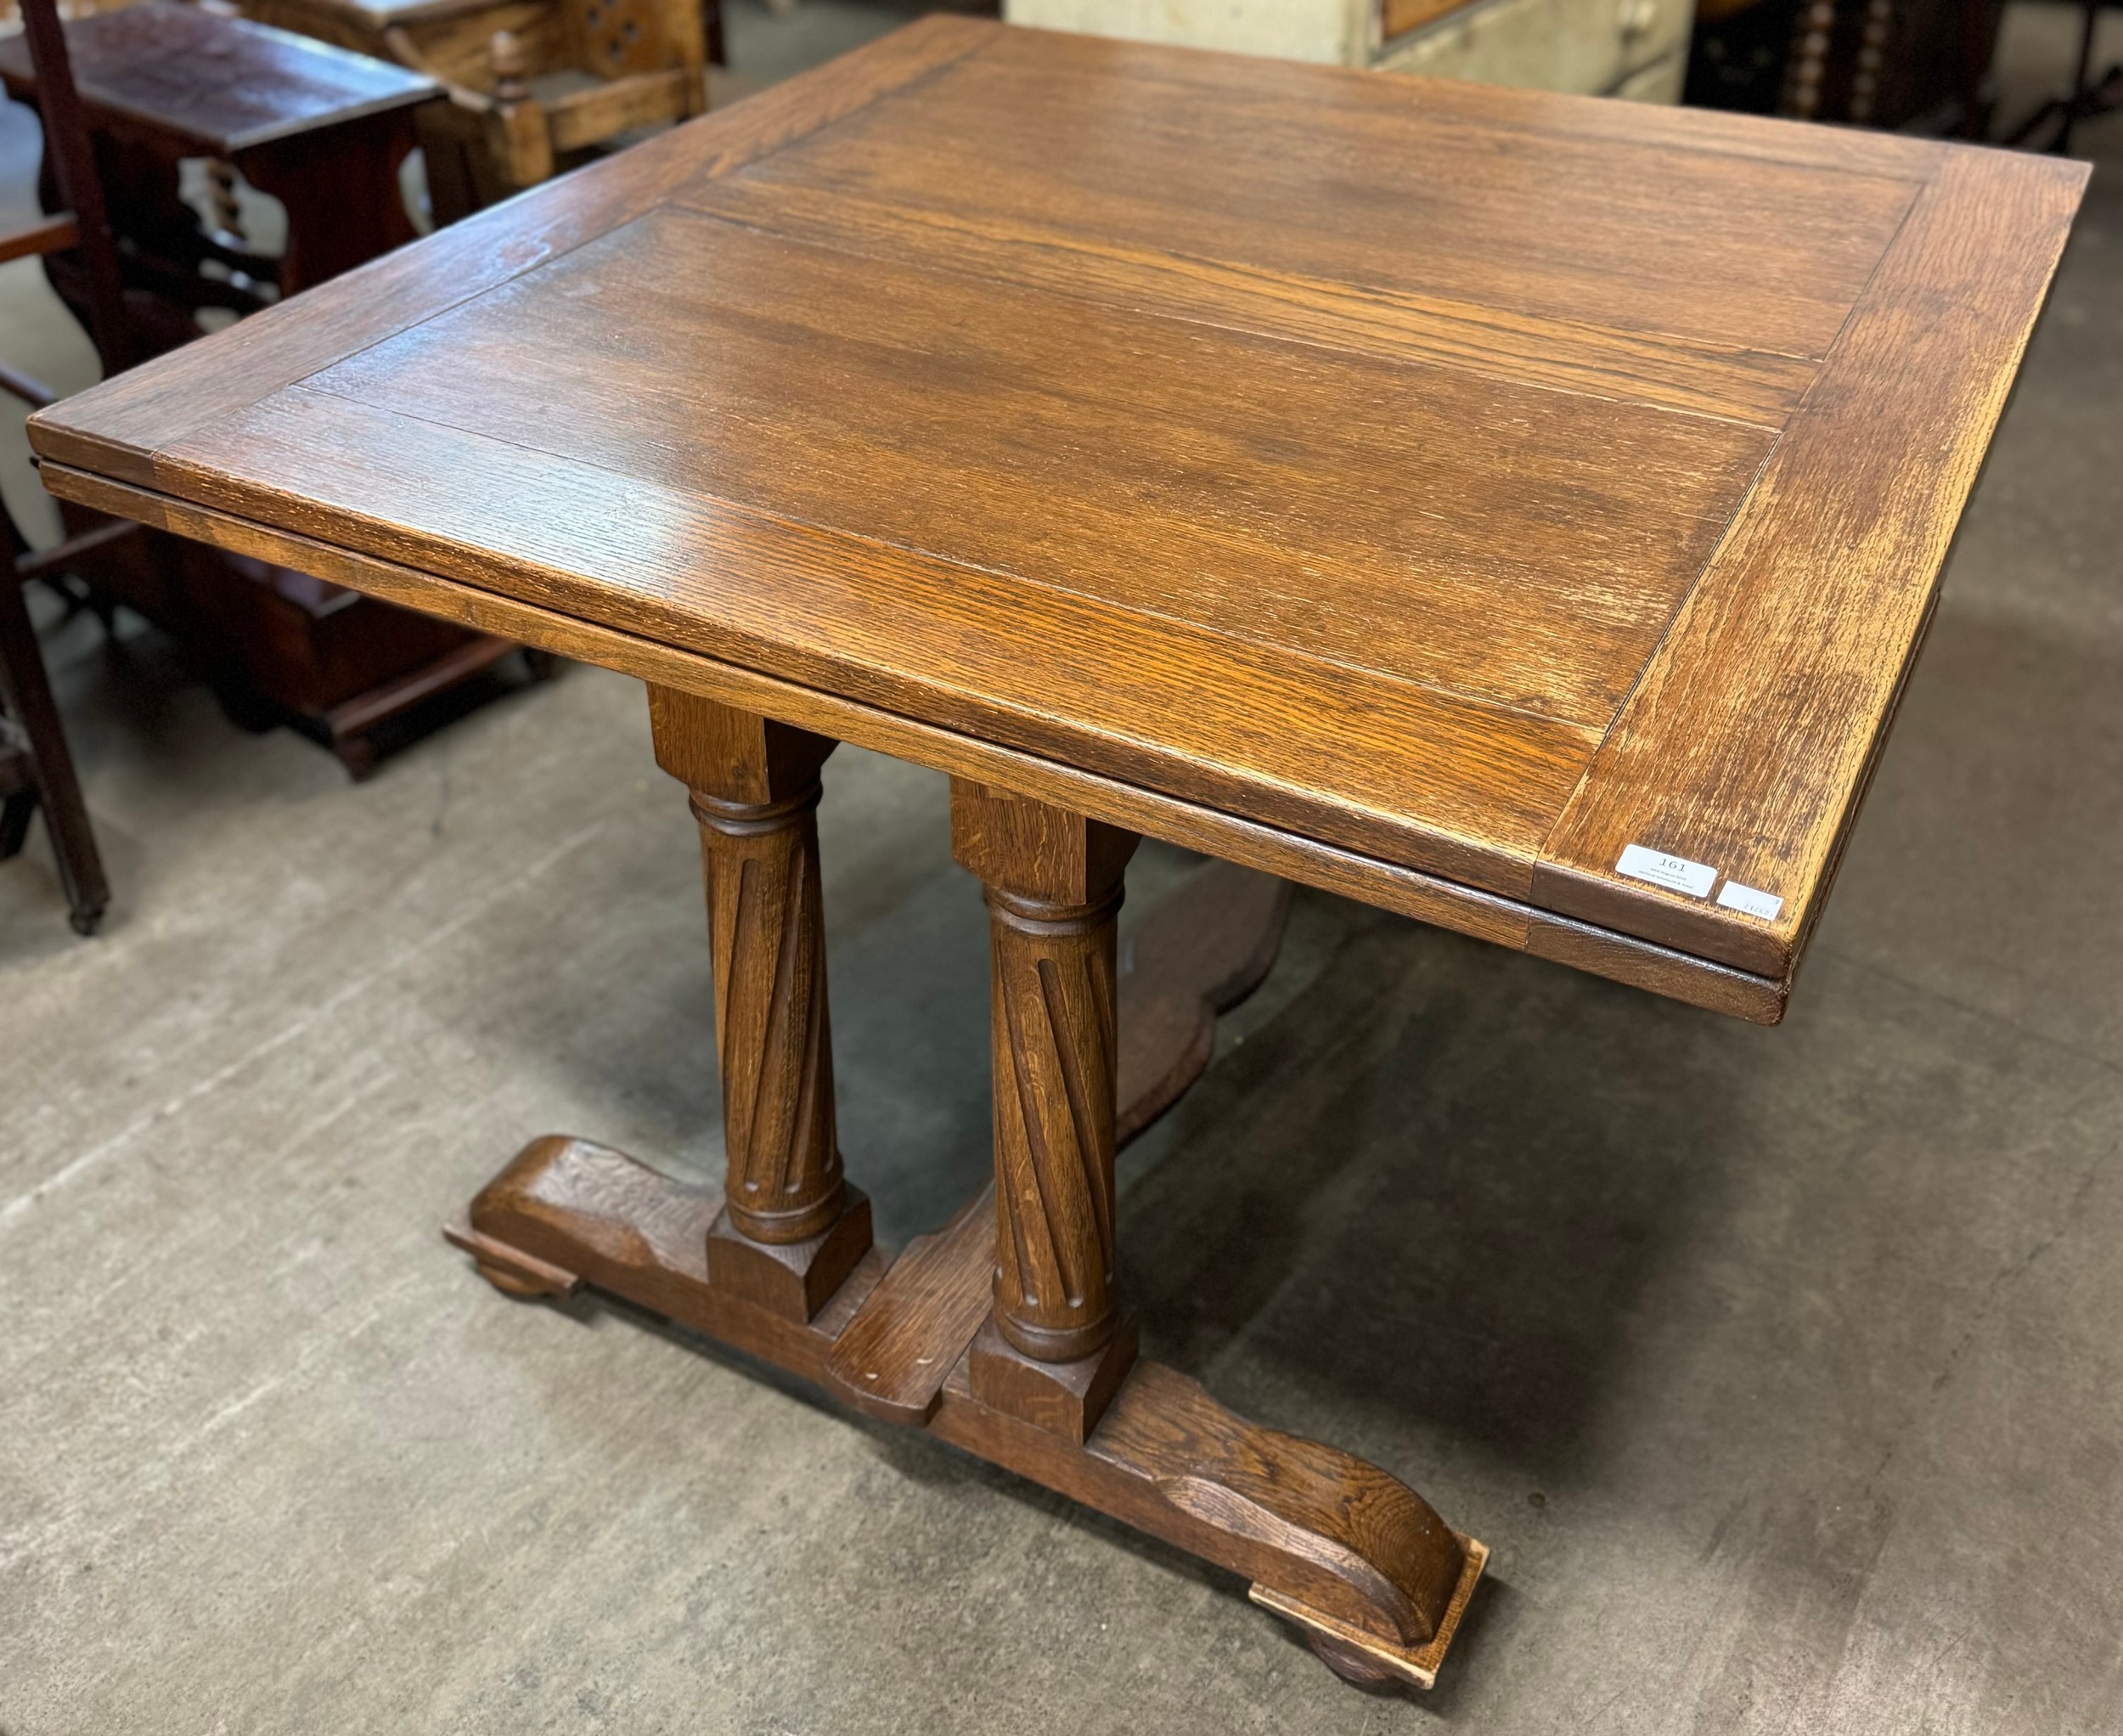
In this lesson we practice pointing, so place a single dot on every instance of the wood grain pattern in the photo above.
(792, 1228)
(770, 1015)
(965, 421)
(1062, 1397)
(1424, 897)
(1414, 488)
(1359, 1657)
(1750, 385)
(1328, 174)
(768, 920)
(116, 428)
(1402, 1561)
(1319, 1526)
(1055, 1044)
(583, 1213)
(1431, 778)
(1508, 114)
(892, 1360)
(1747, 743)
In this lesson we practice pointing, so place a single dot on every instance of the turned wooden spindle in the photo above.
(755, 788)
(1053, 967)
(1813, 33)
(510, 64)
(1871, 60)
(1053, 881)
(767, 929)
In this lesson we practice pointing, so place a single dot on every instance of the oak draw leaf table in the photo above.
(1518, 511)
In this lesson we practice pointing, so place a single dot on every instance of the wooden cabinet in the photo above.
(1620, 48)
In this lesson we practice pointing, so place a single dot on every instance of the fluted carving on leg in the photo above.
(766, 920)
(1056, 1054)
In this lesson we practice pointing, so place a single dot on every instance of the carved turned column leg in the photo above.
(792, 1228)
(1057, 1342)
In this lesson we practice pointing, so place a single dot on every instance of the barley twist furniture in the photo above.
(1517, 510)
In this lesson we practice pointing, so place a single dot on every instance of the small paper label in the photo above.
(1677, 873)
(1750, 903)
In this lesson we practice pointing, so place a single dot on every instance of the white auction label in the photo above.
(1676, 873)
(1750, 903)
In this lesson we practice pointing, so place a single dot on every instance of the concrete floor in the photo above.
(1783, 1370)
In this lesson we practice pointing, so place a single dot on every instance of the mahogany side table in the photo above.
(1519, 511)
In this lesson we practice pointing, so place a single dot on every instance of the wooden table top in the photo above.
(225, 84)
(1426, 490)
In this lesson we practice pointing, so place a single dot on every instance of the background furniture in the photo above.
(2094, 91)
(11, 11)
(1522, 516)
(1622, 47)
(1922, 64)
(533, 84)
(37, 766)
(324, 133)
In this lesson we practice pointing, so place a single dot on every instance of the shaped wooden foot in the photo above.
(1336, 1547)
(1360, 1657)
(567, 1212)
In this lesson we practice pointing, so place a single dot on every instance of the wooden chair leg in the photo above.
(27, 695)
(14, 821)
